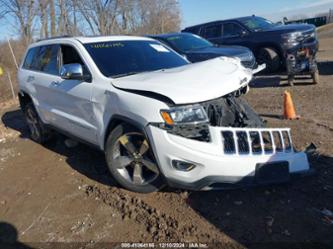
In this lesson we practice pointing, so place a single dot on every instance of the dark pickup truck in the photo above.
(293, 46)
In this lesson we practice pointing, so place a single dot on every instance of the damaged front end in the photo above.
(228, 111)
(300, 54)
(228, 147)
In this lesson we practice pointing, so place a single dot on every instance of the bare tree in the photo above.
(158, 16)
(97, 17)
(52, 18)
(44, 31)
(100, 15)
(24, 12)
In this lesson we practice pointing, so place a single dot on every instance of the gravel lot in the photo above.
(59, 194)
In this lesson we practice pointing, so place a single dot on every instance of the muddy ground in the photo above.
(57, 194)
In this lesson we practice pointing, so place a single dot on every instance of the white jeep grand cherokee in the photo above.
(158, 118)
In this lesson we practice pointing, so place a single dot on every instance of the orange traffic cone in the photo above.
(289, 109)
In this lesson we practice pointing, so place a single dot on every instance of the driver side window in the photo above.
(232, 30)
(71, 56)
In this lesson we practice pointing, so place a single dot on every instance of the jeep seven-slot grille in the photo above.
(256, 141)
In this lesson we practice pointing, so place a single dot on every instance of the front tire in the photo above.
(38, 132)
(271, 58)
(131, 161)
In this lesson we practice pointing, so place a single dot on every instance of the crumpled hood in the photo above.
(191, 83)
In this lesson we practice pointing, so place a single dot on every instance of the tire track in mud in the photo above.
(161, 226)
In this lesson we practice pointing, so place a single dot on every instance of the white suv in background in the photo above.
(159, 119)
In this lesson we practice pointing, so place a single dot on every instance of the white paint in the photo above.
(191, 83)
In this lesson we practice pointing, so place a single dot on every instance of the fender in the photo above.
(117, 119)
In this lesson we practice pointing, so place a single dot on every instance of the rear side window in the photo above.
(44, 59)
(47, 59)
(29, 59)
(212, 31)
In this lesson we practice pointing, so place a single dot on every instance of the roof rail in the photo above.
(54, 37)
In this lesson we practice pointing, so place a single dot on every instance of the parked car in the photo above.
(196, 48)
(158, 118)
(293, 46)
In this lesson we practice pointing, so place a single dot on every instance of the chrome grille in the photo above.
(256, 141)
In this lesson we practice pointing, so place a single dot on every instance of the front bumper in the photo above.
(302, 59)
(218, 165)
(259, 68)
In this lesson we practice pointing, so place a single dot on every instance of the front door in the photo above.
(71, 102)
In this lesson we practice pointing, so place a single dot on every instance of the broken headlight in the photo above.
(292, 39)
(189, 114)
(190, 121)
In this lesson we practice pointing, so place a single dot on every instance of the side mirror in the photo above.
(72, 72)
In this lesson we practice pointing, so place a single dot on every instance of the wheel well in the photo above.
(115, 121)
(24, 99)
(272, 46)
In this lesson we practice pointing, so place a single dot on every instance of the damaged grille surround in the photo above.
(231, 111)
(226, 111)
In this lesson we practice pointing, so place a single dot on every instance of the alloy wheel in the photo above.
(133, 159)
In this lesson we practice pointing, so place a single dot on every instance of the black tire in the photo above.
(38, 132)
(122, 163)
(271, 58)
(315, 77)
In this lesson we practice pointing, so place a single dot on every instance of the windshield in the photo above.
(257, 23)
(187, 42)
(121, 58)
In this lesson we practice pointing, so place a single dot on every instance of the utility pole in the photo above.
(12, 52)
(11, 85)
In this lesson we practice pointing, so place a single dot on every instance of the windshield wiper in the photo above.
(125, 74)
(128, 74)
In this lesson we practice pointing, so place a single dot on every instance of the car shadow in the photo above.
(275, 216)
(84, 159)
(325, 67)
(281, 79)
(264, 81)
(9, 237)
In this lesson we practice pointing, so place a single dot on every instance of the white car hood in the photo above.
(191, 83)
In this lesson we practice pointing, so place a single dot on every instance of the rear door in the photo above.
(212, 32)
(42, 67)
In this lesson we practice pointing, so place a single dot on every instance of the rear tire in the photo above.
(271, 58)
(131, 161)
(38, 132)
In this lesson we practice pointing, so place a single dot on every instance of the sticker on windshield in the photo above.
(107, 45)
(159, 48)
